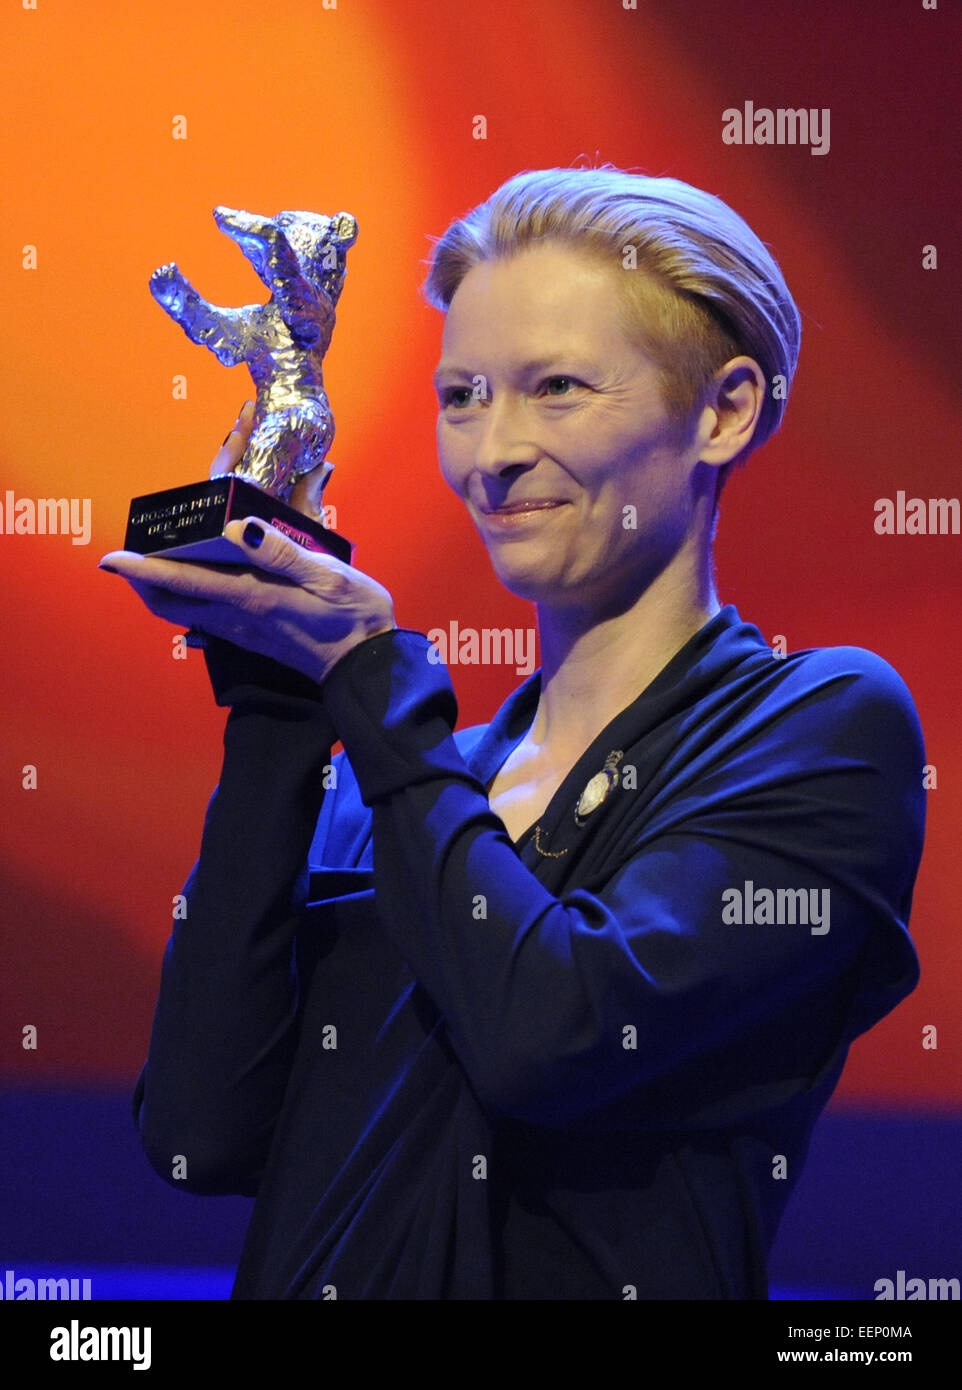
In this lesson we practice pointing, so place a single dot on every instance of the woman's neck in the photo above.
(594, 665)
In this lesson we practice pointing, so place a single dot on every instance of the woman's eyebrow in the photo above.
(534, 364)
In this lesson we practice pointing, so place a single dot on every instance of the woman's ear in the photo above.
(733, 402)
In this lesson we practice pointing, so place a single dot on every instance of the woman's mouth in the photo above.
(517, 513)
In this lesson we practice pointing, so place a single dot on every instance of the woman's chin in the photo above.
(540, 584)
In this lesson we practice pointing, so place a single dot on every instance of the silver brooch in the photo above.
(598, 788)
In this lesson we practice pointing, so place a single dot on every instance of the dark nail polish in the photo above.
(253, 535)
(109, 568)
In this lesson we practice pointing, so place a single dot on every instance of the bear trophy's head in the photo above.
(319, 243)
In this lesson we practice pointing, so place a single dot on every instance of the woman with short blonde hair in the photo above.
(545, 1008)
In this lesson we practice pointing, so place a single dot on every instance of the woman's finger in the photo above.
(277, 554)
(191, 600)
(231, 452)
(306, 498)
(190, 580)
(301, 577)
(173, 608)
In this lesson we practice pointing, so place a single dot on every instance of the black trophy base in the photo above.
(187, 523)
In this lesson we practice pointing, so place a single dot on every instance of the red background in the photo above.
(369, 108)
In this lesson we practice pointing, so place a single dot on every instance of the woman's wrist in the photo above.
(341, 652)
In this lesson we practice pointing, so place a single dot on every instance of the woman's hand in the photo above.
(301, 607)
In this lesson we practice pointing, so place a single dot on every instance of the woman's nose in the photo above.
(503, 440)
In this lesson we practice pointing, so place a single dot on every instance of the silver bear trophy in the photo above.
(300, 256)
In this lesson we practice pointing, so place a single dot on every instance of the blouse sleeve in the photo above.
(225, 1025)
(666, 995)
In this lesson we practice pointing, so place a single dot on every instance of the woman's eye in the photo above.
(563, 381)
(462, 396)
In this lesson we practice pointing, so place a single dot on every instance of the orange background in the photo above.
(369, 108)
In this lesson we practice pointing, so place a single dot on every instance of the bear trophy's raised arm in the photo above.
(300, 257)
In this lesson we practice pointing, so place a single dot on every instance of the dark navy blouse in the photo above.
(449, 1066)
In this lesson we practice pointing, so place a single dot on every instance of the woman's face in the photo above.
(552, 430)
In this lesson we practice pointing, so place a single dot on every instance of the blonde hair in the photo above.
(708, 291)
